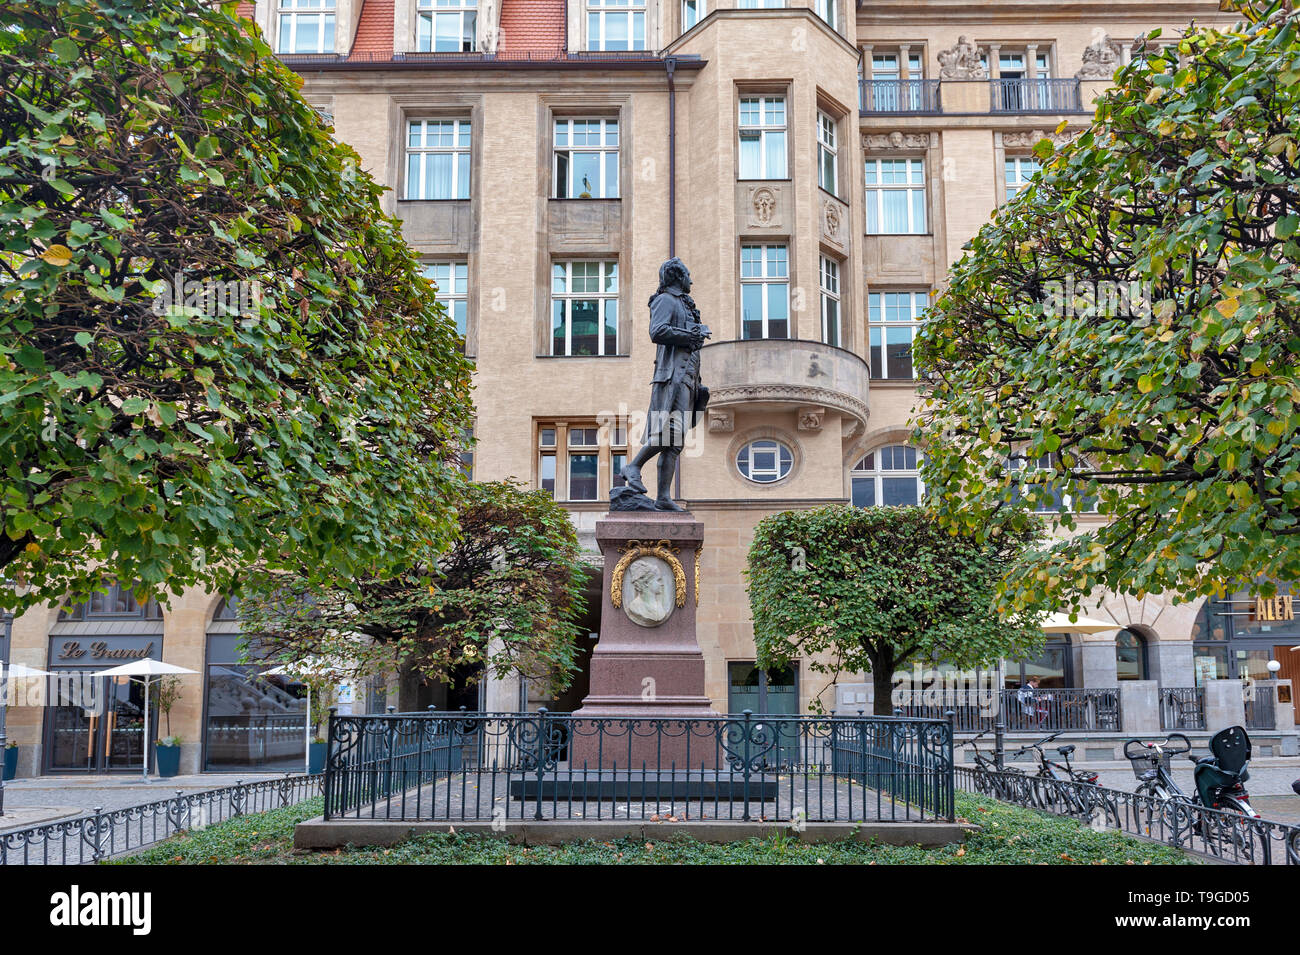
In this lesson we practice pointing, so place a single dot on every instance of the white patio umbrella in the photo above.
(1061, 623)
(147, 670)
(309, 666)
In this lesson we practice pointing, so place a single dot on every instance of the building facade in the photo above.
(817, 165)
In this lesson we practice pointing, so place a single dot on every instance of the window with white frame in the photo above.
(895, 196)
(887, 477)
(573, 454)
(765, 461)
(437, 159)
(826, 10)
(452, 280)
(765, 291)
(693, 11)
(892, 320)
(1051, 492)
(1019, 170)
(762, 137)
(584, 308)
(306, 26)
(446, 26)
(828, 162)
(586, 159)
(830, 293)
(616, 24)
(885, 91)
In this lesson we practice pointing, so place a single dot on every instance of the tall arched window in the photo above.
(1130, 656)
(888, 477)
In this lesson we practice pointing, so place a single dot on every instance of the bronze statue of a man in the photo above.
(677, 397)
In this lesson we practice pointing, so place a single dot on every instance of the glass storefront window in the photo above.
(254, 721)
(1210, 662)
(1130, 656)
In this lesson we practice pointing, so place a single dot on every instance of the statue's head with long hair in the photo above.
(674, 274)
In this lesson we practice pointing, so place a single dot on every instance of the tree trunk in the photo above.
(882, 679)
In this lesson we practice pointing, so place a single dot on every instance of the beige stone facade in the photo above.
(947, 96)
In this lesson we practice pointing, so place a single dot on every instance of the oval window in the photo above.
(764, 461)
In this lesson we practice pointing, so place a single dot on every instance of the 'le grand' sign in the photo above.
(102, 650)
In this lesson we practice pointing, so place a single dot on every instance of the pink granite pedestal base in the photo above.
(647, 673)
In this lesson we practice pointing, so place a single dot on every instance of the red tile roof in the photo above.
(374, 31)
(532, 26)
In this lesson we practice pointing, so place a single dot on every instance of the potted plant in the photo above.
(167, 756)
(322, 698)
(167, 750)
(11, 760)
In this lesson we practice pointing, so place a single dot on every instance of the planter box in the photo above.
(168, 759)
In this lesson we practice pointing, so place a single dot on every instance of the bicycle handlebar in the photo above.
(1151, 750)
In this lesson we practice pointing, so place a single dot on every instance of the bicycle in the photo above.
(996, 782)
(1077, 794)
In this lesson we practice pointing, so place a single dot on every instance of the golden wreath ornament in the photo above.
(662, 549)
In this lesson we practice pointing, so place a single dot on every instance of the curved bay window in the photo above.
(252, 719)
(1130, 656)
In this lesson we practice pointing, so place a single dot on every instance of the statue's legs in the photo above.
(667, 470)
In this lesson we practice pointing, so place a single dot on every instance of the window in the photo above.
(893, 320)
(828, 163)
(1053, 495)
(1019, 170)
(762, 137)
(887, 477)
(116, 602)
(446, 26)
(830, 289)
(1052, 667)
(1130, 656)
(886, 90)
(586, 159)
(764, 462)
(584, 308)
(693, 11)
(885, 66)
(466, 454)
(306, 26)
(764, 291)
(616, 24)
(452, 279)
(895, 196)
(584, 464)
(437, 159)
(571, 456)
(762, 4)
(826, 10)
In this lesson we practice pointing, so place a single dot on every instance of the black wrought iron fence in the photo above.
(104, 834)
(1039, 95)
(503, 766)
(1095, 709)
(1261, 707)
(1216, 834)
(898, 96)
(1182, 708)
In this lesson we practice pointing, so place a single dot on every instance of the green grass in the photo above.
(1009, 836)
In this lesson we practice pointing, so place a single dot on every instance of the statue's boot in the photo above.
(632, 478)
(666, 471)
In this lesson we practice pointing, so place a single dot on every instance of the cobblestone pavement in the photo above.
(81, 794)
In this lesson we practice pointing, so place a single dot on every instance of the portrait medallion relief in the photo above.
(648, 591)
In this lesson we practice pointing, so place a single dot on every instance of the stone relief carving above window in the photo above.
(896, 140)
(763, 206)
(1101, 58)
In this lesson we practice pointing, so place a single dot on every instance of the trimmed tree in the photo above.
(1127, 333)
(853, 589)
(503, 599)
(215, 350)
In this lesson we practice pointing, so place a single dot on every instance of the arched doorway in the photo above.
(1131, 656)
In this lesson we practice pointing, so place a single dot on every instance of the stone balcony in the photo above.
(810, 378)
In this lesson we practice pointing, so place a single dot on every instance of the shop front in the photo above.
(95, 724)
(1237, 637)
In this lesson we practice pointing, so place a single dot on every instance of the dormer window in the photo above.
(446, 26)
(306, 26)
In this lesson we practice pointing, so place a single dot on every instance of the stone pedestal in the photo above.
(647, 662)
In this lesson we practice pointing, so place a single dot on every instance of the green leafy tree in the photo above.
(1127, 333)
(215, 350)
(873, 588)
(503, 599)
